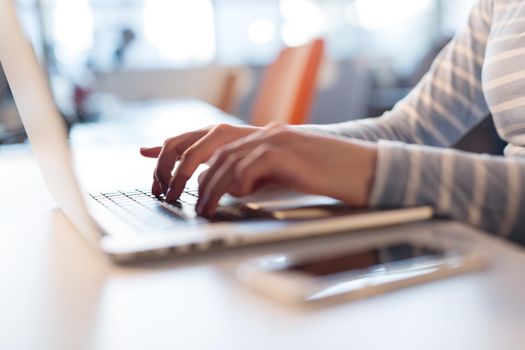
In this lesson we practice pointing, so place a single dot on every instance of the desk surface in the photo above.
(58, 293)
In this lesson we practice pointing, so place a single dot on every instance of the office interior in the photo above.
(102, 54)
(113, 65)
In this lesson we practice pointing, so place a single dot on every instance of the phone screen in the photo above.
(373, 258)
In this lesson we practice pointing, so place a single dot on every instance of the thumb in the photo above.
(150, 152)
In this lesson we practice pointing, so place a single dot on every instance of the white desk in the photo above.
(57, 293)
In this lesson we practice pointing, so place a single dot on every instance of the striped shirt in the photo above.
(481, 71)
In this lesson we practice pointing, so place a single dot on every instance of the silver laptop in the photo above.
(132, 224)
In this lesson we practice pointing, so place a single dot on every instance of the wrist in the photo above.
(362, 170)
(370, 162)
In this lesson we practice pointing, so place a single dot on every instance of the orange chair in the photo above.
(287, 91)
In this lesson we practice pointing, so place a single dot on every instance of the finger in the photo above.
(215, 184)
(272, 135)
(208, 202)
(199, 153)
(266, 162)
(156, 189)
(190, 160)
(234, 150)
(241, 174)
(237, 191)
(171, 151)
(215, 168)
(150, 152)
(165, 165)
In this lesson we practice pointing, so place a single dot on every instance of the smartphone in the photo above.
(357, 272)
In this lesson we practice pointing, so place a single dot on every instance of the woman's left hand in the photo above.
(302, 162)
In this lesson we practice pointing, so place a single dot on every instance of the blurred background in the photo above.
(100, 54)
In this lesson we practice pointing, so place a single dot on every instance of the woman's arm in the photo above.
(447, 102)
(482, 190)
(485, 191)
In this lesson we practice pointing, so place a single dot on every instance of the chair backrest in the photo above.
(287, 90)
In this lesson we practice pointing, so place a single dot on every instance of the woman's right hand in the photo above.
(190, 149)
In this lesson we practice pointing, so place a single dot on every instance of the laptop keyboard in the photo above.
(147, 212)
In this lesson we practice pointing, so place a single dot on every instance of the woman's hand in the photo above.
(191, 149)
(299, 161)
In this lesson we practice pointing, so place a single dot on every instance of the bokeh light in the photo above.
(181, 30)
(261, 31)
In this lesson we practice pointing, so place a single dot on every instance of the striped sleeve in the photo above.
(413, 168)
(444, 106)
(485, 191)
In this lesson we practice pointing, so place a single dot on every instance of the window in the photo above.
(182, 31)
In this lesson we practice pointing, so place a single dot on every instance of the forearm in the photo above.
(484, 191)
(362, 129)
(444, 106)
(395, 125)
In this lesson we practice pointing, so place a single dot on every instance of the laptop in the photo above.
(132, 224)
